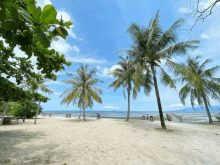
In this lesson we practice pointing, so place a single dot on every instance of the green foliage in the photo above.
(126, 77)
(11, 105)
(83, 91)
(200, 83)
(27, 26)
(24, 24)
(25, 107)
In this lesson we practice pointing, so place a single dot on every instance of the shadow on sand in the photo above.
(13, 147)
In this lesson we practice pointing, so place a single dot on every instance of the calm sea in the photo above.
(187, 116)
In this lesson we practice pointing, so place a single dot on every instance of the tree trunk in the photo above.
(37, 113)
(3, 115)
(80, 113)
(25, 113)
(158, 99)
(128, 113)
(84, 115)
(207, 109)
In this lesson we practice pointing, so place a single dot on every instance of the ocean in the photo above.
(187, 116)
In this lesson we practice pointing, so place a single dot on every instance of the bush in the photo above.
(30, 109)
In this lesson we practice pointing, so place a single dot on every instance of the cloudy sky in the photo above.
(99, 30)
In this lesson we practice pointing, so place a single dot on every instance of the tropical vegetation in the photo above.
(83, 90)
(200, 82)
(152, 46)
(125, 75)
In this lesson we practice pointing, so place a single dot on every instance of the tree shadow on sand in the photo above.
(14, 147)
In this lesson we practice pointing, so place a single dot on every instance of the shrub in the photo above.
(30, 109)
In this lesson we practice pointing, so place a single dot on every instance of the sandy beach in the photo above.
(108, 141)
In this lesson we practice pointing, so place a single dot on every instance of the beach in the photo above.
(108, 141)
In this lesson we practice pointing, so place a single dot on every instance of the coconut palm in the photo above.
(153, 46)
(83, 91)
(34, 85)
(200, 83)
(125, 75)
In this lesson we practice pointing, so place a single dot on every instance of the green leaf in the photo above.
(43, 38)
(26, 16)
(48, 15)
(8, 25)
(68, 23)
(8, 4)
(31, 8)
(14, 13)
(3, 15)
(64, 31)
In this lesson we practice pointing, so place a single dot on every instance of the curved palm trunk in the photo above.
(37, 113)
(128, 113)
(84, 114)
(158, 99)
(207, 109)
(3, 115)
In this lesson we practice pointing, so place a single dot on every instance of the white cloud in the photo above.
(85, 60)
(61, 46)
(213, 32)
(107, 72)
(110, 107)
(183, 10)
(204, 36)
(176, 105)
(42, 3)
(76, 48)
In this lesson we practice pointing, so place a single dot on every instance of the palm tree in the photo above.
(200, 83)
(153, 46)
(83, 91)
(126, 76)
(33, 85)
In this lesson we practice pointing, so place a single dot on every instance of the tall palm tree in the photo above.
(152, 46)
(83, 91)
(200, 83)
(126, 77)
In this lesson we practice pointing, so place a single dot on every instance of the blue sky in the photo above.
(99, 30)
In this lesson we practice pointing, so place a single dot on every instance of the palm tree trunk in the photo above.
(37, 113)
(207, 109)
(84, 115)
(128, 113)
(4, 112)
(158, 99)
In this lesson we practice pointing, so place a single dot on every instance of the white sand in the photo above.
(108, 142)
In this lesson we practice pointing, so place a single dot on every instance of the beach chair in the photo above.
(14, 120)
(66, 115)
